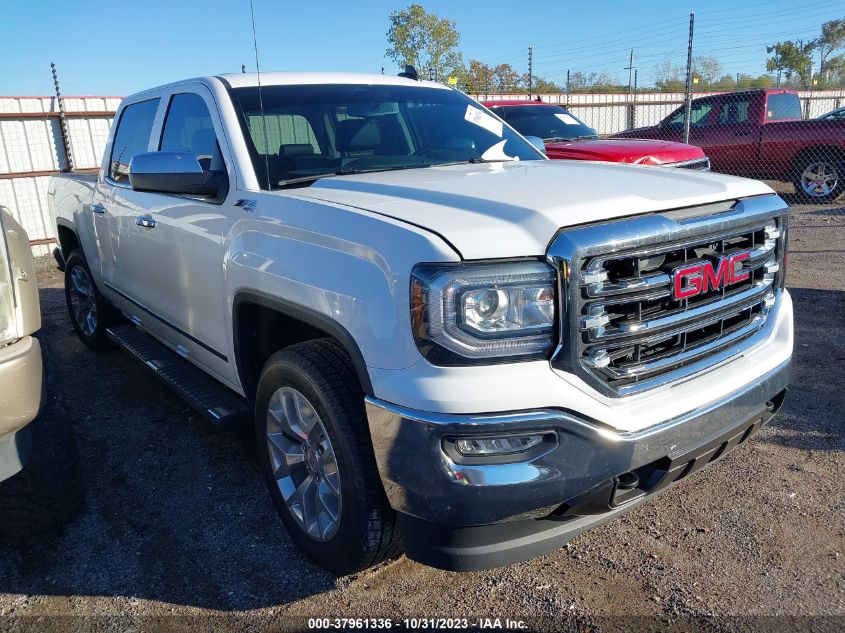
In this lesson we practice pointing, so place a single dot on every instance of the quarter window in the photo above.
(188, 128)
(132, 137)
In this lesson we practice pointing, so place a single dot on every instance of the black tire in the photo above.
(367, 532)
(93, 337)
(47, 493)
(834, 182)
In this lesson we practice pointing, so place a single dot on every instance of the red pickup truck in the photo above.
(567, 137)
(761, 134)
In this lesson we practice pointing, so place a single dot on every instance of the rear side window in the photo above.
(132, 137)
(734, 111)
(783, 107)
(188, 128)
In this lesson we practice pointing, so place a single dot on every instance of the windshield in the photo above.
(549, 122)
(309, 131)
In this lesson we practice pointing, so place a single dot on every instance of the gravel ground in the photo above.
(178, 530)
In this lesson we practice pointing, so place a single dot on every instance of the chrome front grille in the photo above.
(701, 164)
(629, 324)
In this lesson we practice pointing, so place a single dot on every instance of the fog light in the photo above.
(486, 446)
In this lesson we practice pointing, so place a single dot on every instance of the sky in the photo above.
(114, 48)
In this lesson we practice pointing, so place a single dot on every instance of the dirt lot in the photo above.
(178, 530)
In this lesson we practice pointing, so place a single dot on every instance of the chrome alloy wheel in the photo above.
(304, 463)
(83, 300)
(819, 178)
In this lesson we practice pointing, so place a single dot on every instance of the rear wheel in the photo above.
(315, 451)
(89, 312)
(819, 178)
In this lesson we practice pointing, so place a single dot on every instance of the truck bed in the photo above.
(67, 193)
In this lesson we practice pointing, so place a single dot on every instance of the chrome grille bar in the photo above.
(627, 326)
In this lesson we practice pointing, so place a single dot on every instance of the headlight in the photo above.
(464, 314)
(8, 321)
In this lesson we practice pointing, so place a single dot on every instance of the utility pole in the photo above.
(530, 72)
(630, 69)
(633, 122)
(62, 121)
(688, 96)
(567, 87)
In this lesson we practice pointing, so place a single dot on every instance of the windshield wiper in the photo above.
(346, 172)
(557, 139)
(304, 179)
(587, 137)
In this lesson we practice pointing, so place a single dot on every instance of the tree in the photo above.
(794, 59)
(541, 85)
(481, 77)
(507, 78)
(670, 78)
(831, 40)
(707, 69)
(424, 40)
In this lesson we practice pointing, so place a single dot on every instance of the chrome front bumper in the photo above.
(533, 506)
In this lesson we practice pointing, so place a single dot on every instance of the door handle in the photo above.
(98, 208)
(742, 133)
(146, 221)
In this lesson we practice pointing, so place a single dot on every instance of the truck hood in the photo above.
(514, 209)
(635, 151)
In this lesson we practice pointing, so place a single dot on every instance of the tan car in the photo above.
(39, 466)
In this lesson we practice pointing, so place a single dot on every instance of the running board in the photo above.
(215, 402)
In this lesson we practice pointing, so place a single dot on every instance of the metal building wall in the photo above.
(31, 150)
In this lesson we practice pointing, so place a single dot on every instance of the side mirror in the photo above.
(537, 142)
(173, 172)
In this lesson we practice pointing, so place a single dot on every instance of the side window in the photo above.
(282, 130)
(697, 116)
(188, 127)
(132, 137)
(734, 111)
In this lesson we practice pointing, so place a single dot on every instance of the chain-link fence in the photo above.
(769, 134)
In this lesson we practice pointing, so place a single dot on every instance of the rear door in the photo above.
(112, 197)
(170, 250)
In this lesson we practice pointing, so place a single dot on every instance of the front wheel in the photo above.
(318, 461)
(47, 493)
(819, 179)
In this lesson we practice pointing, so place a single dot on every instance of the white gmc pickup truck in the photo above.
(436, 331)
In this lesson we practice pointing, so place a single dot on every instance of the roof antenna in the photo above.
(260, 96)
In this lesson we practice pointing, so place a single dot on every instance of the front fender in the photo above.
(342, 266)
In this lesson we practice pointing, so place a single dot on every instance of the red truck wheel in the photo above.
(819, 179)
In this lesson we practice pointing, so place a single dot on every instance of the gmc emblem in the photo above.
(695, 279)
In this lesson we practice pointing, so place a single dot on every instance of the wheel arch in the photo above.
(820, 149)
(263, 324)
(67, 237)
